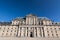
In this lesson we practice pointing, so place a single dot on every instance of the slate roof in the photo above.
(19, 19)
(44, 18)
(5, 23)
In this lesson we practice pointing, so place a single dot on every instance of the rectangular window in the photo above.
(0, 27)
(48, 35)
(55, 28)
(6, 33)
(59, 28)
(10, 34)
(2, 33)
(47, 31)
(8, 28)
(3, 30)
(15, 30)
(55, 31)
(57, 35)
(52, 35)
(51, 28)
(11, 30)
(47, 28)
(51, 31)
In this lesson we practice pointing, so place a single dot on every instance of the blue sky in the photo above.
(10, 9)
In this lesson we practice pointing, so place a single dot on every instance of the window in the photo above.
(11, 30)
(15, 30)
(8, 28)
(35, 27)
(52, 23)
(59, 28)
(16, 23)
(47, 28)
(47, 31)
(6, 33)
(52, 35)
(3, 30)
(51, 28)
(0, 27)
(55, 23)
(57, 35)
(56, 31)
(32, 21)
(10, 34)
(41, 23)
(48, 34)
(55, 28)
(4, 27)
(2, 33)
(51, 31)
(14, 34)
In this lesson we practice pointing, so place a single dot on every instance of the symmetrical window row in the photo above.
(53, 29)
(49, 35)
(8, 34)
(7, 28)
(9, 31)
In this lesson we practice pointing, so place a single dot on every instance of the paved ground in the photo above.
(26, 38)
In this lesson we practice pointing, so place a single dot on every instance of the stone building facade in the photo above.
(30, 26)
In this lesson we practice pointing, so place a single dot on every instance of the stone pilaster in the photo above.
(41, 32)
(19, 32)
(38, 32)
(22, 32)
(34, 32)
(34, 21)
(28, 32)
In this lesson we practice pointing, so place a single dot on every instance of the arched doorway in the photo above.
(31, 34)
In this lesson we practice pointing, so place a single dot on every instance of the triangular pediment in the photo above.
(31, 14)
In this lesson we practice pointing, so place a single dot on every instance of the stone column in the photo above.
(28, 32)
(34, 21)
(38, 32)
(22, 32)
(34, 32)
(19, 32)
(41, 32)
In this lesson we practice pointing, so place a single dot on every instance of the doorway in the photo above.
(31, 34)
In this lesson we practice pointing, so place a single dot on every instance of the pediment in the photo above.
(31, 15)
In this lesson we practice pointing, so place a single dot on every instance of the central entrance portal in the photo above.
(31, 34)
